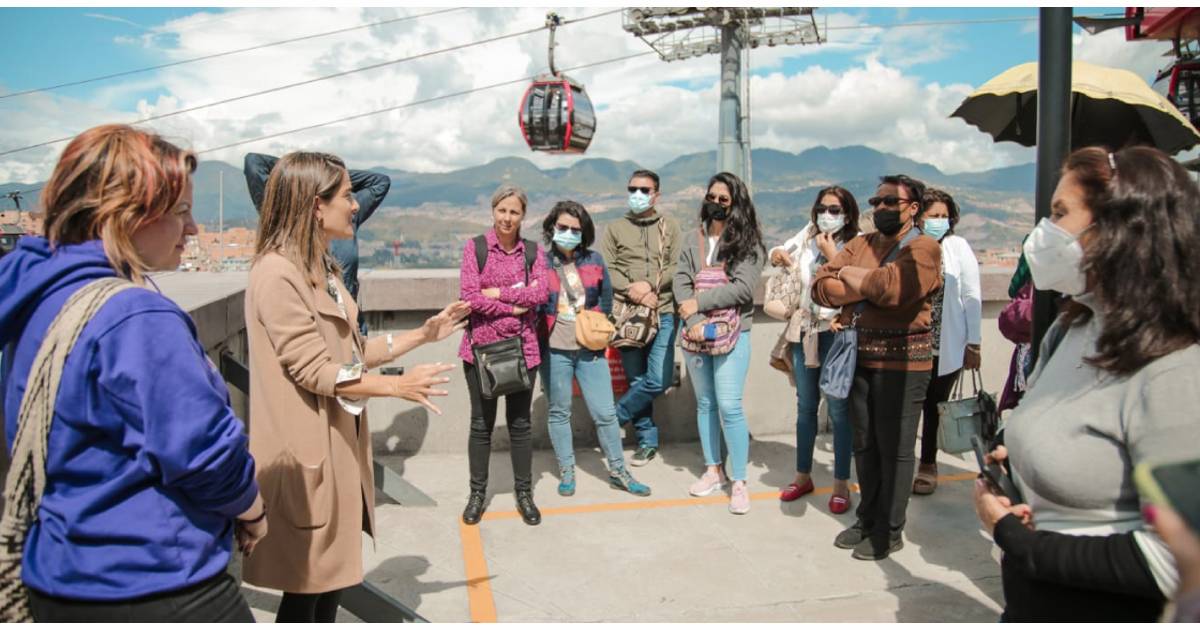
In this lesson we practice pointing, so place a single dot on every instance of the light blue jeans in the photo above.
(649, 371)
(719, 382)
(808, 398)
(595, 382)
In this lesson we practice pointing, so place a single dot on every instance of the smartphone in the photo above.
(994, 474)
(1173, 484)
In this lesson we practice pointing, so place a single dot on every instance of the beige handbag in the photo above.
(593, 330)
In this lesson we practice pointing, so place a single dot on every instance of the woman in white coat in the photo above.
(833, 222)
(957, 310)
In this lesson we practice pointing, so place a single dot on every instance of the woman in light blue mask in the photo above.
(578, 280)
(957, 310)
(833, 222)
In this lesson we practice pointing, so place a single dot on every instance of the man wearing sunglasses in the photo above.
(640, 250)
(892, 273)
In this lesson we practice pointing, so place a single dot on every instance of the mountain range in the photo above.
(782, 183)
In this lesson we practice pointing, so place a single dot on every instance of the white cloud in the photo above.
(643, 115)
(1109, 48)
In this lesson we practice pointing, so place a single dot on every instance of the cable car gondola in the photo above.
(556, 114)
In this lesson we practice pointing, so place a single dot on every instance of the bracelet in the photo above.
(973, 348)
(838, 275)
(254, 520)
(388, 338)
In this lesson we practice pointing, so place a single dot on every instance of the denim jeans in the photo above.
(595, 382)
(808, 397)
(649, 371)
(719, 382)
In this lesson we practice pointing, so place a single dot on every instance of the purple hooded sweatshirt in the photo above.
(147, 463)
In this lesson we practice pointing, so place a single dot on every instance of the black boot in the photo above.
(474, 510)
(529, 511)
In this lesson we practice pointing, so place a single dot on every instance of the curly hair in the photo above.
(742, 237)
(1143, 260)
(937, 195)
(586, 227)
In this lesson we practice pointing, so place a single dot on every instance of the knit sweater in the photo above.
(894, 329)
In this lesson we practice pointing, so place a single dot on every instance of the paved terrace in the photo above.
(604, 555)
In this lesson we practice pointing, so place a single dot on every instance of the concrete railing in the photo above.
(396, 300)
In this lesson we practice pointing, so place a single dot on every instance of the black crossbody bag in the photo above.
(500, 365)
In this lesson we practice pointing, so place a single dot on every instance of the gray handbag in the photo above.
(961, 417)
(837, 369)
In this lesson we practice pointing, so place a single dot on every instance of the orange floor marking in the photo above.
(479, 584)
(479, 587)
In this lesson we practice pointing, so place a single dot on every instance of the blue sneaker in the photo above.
(566, 484)
(622, 480)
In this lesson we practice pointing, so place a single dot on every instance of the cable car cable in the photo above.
(227, 53)
(395, 108)
(318, 79)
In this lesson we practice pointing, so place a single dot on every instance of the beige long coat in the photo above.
(313, 457)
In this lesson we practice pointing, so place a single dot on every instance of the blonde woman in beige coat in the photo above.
(309, 387)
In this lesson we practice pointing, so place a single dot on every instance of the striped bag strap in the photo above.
(27, 473)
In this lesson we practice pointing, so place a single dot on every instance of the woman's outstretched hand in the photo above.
(450, 320)
(418, 384)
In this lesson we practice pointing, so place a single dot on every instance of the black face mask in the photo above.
(888, 222)
(714, 211)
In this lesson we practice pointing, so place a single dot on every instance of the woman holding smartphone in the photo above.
(1117, 383)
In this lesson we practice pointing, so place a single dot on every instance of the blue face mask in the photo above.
(936, 228)
(639, 202)
(567, 240)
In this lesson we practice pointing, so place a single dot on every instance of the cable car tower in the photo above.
(678, 33)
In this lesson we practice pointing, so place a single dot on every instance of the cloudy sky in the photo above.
(886, 78)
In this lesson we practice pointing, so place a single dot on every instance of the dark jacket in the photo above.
(369, 190)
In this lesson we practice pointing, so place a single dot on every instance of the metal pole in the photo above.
(729, 140)
(221, 216)
(1053, 134)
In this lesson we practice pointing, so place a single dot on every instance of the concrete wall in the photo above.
(400, 300)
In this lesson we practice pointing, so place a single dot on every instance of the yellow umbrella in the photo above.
(1109, 107)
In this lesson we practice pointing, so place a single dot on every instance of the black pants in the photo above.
(938, 391)
(885, 406)
(309, 607)
(215, 600)
(483, 421)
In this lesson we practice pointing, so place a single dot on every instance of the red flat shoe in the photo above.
(839, 505)
(794, 491)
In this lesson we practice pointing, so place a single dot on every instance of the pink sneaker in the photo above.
(739, 499)
(708, 483)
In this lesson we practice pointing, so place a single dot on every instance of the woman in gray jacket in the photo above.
(714, 284)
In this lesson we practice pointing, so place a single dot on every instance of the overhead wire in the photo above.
(327, 77)
(227, 53)
(397, 107)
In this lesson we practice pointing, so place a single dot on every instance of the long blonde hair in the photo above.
(288, 224)
(110, 181)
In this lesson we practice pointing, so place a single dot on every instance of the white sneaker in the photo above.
(708, 483)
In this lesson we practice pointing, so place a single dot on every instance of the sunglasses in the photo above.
(888, 201)
(645, 190)
(834, 210)
(573, 230)
(722, 199)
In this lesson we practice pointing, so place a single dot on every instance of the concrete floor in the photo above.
(605, 555)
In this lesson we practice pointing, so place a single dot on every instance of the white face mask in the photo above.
(828, 223)
(1054, 256)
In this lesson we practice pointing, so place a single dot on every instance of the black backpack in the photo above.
(481, 253)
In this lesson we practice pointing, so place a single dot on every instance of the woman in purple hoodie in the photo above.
(148, 478)
(503, 277)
